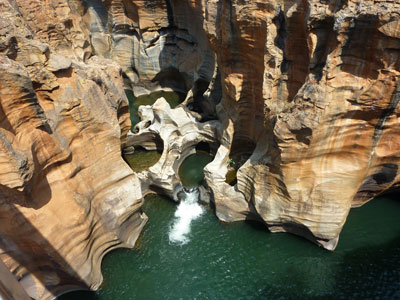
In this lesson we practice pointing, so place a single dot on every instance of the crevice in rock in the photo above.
(389, 111)
(363, 34)
(296, 51)
(326, 42)
(170, 13)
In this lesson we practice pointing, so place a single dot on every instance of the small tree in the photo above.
(231, 162)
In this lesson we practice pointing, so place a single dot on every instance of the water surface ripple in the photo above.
(244, 261)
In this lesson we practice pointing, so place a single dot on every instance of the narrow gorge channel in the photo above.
(185, 252)
(199, 149)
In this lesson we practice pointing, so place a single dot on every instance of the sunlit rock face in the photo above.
(66, 195)
(158, 44)
(310, 93)
(178, 132)
(314, 86)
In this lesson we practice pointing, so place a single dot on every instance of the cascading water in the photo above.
(188, 210)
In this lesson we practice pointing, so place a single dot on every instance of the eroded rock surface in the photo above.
(314, 86)
(66, 195)
(309, 98)
(180, 132)
(158, 44)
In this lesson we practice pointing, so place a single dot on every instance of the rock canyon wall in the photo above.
(302, 95)
(67, 197)
(314, 86)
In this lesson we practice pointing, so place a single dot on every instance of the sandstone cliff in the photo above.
(314, 87)
(66, 195)
(158, 44)
(309, 96)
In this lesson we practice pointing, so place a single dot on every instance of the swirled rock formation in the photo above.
(179, 132)
(66, 195)
(309, 95)
(158, 44)
(314, 86)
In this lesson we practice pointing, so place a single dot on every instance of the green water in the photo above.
(142, 159)
(244, 261)
(191, 169)
(173, 98)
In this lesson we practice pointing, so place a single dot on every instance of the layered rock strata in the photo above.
(66, 195)
(309, 100)
(314, 86)
(158, 44)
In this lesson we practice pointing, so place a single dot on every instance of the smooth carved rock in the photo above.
(315, 87)
(158, 44)
(179, 132)
(310, 93)
(66, 195)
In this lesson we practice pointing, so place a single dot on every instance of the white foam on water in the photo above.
(188, 210)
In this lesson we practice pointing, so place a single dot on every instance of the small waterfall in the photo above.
(188, 210)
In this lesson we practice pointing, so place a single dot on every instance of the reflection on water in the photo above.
(243, 261)
(191, 169)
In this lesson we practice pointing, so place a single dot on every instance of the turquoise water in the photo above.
(245, 261)
(191, 169)
(186, 253)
